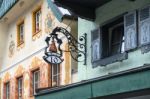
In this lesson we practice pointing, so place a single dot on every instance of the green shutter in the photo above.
(95, 46)
(55, 10)
(144, 26)
(130, 28)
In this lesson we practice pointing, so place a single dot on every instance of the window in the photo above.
(7, 90)
(36, 80)
(20, 87)
(55, 75)
(20, 34)
(37, 21)
(113, 38)
(111, 41)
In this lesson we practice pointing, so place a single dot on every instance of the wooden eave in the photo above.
(82, 8)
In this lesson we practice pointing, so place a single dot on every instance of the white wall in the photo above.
(3, 40)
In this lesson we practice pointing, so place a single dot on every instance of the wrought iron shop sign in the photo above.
(54, 51)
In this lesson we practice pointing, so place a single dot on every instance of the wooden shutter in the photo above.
(130, 31)
(144, 26)
(96, 45)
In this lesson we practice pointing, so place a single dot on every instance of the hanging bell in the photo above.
(52, 47)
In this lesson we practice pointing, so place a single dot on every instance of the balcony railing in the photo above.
(6, 6)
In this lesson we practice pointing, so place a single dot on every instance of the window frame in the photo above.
(103, 61)
(34, 21)
(110, 39)
(57, 75)
(118, 56)
(7, 86)
(35, 82)
(20, 87)
(20, 25)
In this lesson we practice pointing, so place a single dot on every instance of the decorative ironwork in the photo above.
(77, 49)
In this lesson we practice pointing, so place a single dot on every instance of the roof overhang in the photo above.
(60, 12)
(82, 8)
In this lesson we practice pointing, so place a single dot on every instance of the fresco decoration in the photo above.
(35, 63)
(20, 46)
(37, 36)
(44, 83)
(49, 23)
(26, 81)
(11, 49)
(19, 71)
(26, 85)
(13, 88)
(6, 77)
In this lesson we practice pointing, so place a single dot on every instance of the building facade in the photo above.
(118, 41)
(24, 25)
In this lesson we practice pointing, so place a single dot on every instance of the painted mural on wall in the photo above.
(26, 65)
(11, 48)
(26, 73)
(49, 23)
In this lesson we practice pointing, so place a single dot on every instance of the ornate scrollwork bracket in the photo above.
(77, 48)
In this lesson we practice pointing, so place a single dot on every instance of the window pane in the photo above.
(117, 39)
(54, 80)
(54, 69)
(37, 19)
(21, 32)
(55, 75)
(117, 34)
(115, 49)
(36, 79)
(105, 42)
(58, 79)
(58, 69)
(20, 88)
(112, 37)
(7, 91)
(36, 85)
